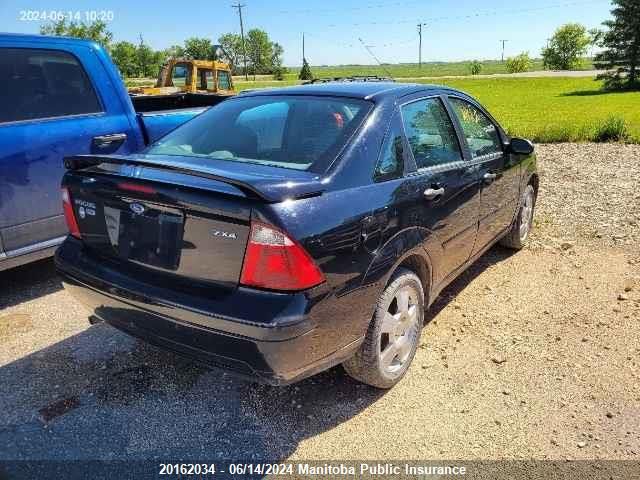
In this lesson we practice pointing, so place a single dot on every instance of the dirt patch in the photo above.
(14, 324)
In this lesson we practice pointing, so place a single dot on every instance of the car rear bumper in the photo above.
(276, 350)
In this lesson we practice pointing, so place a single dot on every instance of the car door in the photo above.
(498, 174)
(445, 187)
(50, 109)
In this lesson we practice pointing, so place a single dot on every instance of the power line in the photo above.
(352, 44)
(240, 6)
(315, 11)
(486, 13)
(368, 49)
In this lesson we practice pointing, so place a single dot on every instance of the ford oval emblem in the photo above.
(136, 208)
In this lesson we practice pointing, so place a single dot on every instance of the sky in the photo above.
(459, 30)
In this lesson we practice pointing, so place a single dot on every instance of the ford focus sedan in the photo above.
(286, 231)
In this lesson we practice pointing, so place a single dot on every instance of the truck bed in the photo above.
(154, 103)
(159, 114)
(157, 124)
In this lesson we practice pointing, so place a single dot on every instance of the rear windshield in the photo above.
(285, 131)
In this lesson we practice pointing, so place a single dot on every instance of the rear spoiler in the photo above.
(268, 189)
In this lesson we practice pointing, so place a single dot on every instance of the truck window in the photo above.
(180, 75)
(43, 84)
(207, 81)
(223, 81)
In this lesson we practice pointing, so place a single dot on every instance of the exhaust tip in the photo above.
(93, 320)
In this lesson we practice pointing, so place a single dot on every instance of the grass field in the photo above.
(551, 109)
(411, 70)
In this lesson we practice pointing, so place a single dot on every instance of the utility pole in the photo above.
(303, 57)
(141, 56)
(503, 42)
(240, 6)
(420, 25)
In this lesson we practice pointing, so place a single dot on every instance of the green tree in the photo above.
(174, 51)
(125, 56)
(475, 67)
(199, 48)
(259, 51)
(519, 63)
(567, 47)
(277, 68)
(96, 31)
(621, 42)
(232, 45)
(263, 55)
(149, 61)
(305, 71)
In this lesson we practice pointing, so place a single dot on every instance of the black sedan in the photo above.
(286, 231)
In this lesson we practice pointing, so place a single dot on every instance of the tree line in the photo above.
(618, 44)
(264, 56)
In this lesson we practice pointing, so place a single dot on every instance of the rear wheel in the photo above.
(393, 335)
(519, 233)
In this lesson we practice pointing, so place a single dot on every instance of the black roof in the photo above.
(362, 90)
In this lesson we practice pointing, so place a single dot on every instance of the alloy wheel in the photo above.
(526, 215)
(399, 330)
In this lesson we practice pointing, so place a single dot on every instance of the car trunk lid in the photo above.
(169, 221)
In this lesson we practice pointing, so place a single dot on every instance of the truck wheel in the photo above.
(393, 335)
(519, 233)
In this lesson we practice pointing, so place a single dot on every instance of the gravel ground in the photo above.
(526, 355)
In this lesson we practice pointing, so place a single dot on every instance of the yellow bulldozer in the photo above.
(186, 83)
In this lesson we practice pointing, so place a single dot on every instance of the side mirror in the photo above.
(521, 146)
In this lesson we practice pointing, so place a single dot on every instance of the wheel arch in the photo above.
(404, 250)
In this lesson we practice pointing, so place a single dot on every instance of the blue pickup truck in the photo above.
(59, 97)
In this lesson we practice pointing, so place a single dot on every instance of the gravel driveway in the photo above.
(527, 355)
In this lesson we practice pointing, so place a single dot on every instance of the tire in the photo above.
(518, 235)
(393, 335)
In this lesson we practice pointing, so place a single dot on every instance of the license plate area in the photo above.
(146, 233)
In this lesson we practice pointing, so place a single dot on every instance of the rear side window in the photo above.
(481, 134)
(223, 81)
(286, 131)
(391, 162)
(43, 84)
(430, 133)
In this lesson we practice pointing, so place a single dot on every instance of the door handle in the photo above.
(113, 141)
(489, 177)
(432, 194)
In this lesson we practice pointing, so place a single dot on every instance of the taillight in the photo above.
(69, 216)
(134, 187)
(276, 262)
